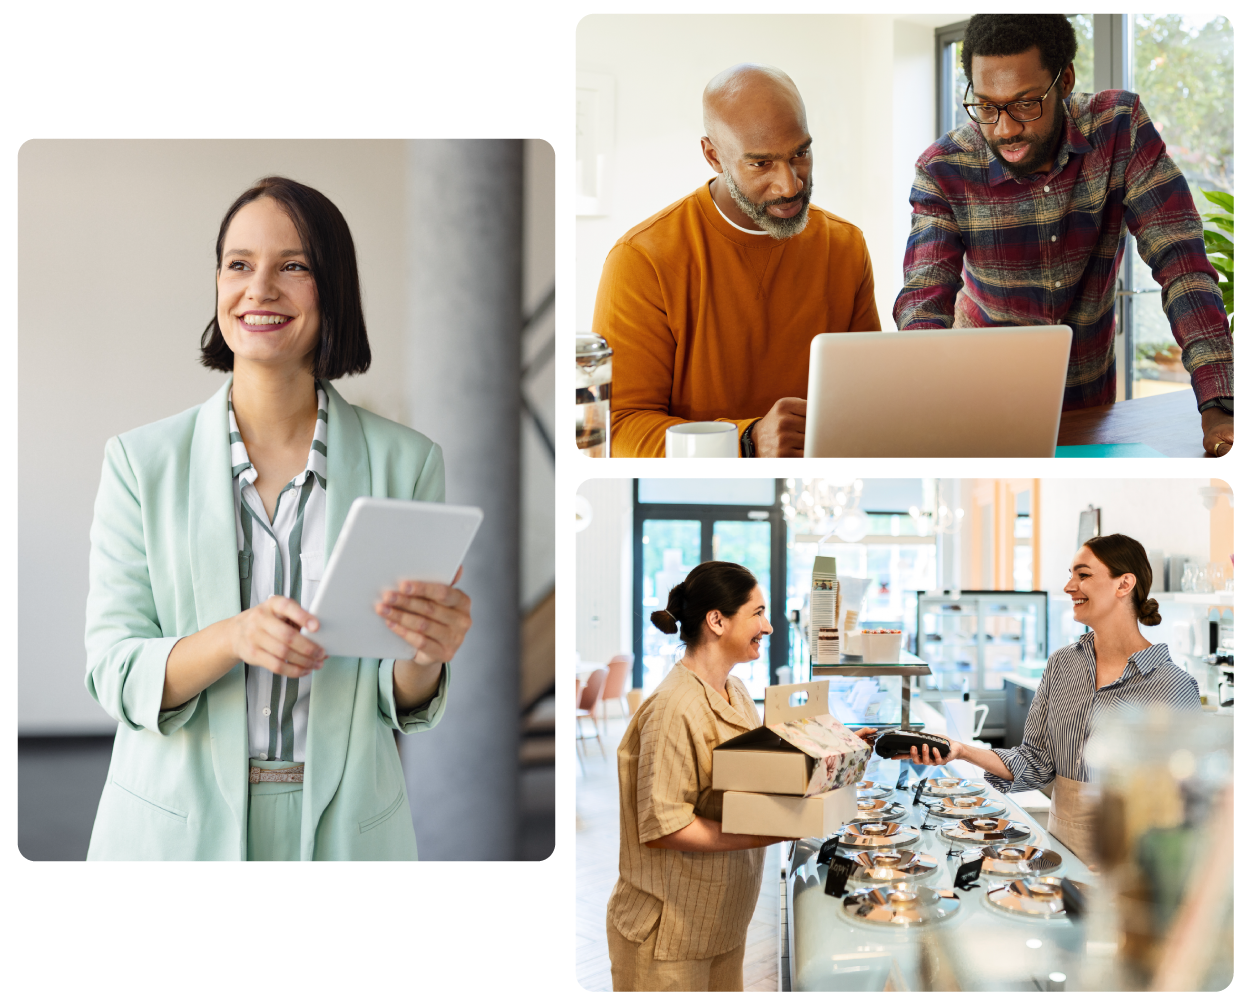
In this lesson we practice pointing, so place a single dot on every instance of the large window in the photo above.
(894, 560)
(1182, 66)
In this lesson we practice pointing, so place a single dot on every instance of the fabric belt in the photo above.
(289, 774)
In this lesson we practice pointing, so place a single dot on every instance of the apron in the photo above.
(1073, 818)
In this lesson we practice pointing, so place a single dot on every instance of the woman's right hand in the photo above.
(268, 636)
(923, 755)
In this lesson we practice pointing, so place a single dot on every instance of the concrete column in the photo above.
(463, 362)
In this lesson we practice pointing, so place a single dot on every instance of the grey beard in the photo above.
(778, 229)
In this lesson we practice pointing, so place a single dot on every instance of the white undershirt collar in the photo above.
(751, 232)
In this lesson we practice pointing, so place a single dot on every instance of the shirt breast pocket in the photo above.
(312, 565)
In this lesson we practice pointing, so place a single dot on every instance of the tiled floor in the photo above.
(60, 779)
(597, 865)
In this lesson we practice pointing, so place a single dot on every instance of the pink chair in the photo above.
(620, 669)
(588, 706)
(576, 691)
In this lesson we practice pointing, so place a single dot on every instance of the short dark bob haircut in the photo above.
(327, 242)
(1011, 34)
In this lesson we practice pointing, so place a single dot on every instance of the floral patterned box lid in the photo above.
(839, 756)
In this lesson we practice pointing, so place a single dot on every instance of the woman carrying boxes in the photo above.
(678, 916)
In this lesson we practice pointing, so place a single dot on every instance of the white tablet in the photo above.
(382, 542)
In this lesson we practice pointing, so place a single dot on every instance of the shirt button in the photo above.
(1053, 238)
(262, 756)
(265, 710)
(1046, 188)
(1058, 283)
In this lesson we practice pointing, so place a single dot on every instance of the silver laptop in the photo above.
(996, 393)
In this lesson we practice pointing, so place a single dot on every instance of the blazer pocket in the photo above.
(171, 813)
(368, 824)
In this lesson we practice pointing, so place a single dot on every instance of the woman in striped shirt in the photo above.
(1111, 665)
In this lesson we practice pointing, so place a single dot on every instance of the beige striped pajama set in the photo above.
(677, 920)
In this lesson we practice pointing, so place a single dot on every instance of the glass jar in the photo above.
(594, 394)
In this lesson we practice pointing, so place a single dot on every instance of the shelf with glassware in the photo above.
(973, 639)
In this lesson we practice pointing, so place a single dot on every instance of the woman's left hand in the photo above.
(431, 617)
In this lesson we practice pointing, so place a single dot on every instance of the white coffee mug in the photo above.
(702, 439)
(961, 721)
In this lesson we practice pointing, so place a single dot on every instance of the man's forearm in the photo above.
(415, 684)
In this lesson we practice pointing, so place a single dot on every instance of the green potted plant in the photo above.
(1219, 246)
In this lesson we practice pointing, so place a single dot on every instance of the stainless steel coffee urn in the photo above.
(594, 394)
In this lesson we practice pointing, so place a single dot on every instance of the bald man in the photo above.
(711, 304)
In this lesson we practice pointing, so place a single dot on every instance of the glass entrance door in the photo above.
(670, 550)
(678, 525)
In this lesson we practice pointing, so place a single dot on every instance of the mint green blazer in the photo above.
(164, 564)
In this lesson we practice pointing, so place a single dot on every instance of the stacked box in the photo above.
(794, 776)
(823, 611)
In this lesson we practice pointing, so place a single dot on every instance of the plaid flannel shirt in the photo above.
(1046, 249)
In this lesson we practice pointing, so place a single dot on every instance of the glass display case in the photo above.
(976, 637)
(877, 694)
(860, 693)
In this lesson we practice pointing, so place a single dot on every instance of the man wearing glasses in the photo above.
(1018, 217)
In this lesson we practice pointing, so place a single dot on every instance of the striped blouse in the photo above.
(1066, 707)
(702, 901)
(286, 557)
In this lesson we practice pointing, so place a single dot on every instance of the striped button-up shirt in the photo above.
(283, 556)
(1068, 703)
(1045, 249)
(703, 902)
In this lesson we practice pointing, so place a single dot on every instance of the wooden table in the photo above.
(1169, 422)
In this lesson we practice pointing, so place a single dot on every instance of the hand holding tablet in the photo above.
(388, 589)
(430, 617)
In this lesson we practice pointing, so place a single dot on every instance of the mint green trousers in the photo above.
(273, 816)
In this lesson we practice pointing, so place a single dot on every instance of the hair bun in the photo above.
(664, 621)
(1148, 613)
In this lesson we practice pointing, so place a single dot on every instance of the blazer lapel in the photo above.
(332, 699)
(215, 578)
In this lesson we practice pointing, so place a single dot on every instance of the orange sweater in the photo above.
(707, 322)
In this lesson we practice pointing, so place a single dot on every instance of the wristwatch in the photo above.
(1225, 403)
(747, 442)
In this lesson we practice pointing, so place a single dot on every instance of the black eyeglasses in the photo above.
(986, 113)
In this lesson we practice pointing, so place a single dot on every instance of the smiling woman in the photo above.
(678, 915)
(313, 265)
(210, 537)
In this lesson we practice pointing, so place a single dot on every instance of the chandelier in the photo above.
(825, 507)
(831, 507)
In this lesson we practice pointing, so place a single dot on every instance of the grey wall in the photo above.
(115, 285)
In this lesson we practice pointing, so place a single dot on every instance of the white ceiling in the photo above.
(932, 20)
